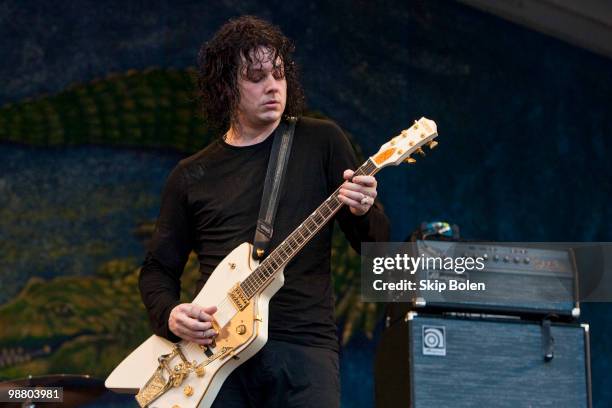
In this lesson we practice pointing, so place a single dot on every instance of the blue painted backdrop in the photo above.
(524, 119)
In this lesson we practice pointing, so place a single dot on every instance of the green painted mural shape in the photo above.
(71, 324)
(68, 323)
(152, 108)
(75, 324)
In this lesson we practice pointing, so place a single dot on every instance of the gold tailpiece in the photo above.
(158, 384)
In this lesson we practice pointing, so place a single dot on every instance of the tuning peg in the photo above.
(416, 124)
(410, 160)
(420, 151)
(433, 144)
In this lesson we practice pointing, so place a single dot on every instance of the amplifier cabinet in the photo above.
(431, 362)
(518, 280)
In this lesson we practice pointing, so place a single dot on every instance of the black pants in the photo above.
(283, 375)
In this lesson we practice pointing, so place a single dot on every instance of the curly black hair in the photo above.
(220, 59)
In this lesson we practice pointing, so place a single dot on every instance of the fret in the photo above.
(303, 231)
(299, 238)
(305, 226)
(292, 243)
(279, 253)
(311, 224)
(250, 285)
(273, 262)
(271, 271)
(290, 250)
(310, 227)
(259, 279)
(324, 211)
(246, 288)
(321, 219)
(267, 268)
(282, 249)
(296, 239)
(262, 276)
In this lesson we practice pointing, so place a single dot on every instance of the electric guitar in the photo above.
(185, 374)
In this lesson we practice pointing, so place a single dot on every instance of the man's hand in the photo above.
(359, 193)
(193, 323)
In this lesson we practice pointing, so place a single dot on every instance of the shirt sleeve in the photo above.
(373, 226)
(159, 280)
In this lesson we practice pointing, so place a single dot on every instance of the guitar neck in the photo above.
(287, 249)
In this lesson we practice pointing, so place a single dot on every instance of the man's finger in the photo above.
(348, 174)
(193, 310)
(201, 313)
(355, 191)
(195, 325)
(205, 317)
(367, 181)
(353, 195)
(353, 187)
(351, 203)
(210, 309)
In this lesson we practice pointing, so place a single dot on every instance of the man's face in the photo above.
(263, 89)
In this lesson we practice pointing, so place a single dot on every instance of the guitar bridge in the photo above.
(238, 297)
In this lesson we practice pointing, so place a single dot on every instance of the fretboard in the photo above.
(287, 249)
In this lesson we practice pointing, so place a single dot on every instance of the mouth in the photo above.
(271, 103)
(10, 356)
(15, 354)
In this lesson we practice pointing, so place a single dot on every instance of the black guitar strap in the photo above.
(279, 156)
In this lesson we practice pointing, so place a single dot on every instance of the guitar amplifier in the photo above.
(518, 280)
(435, 362)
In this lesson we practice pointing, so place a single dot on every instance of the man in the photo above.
(247, 83)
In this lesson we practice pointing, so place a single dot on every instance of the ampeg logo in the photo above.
(434, 341)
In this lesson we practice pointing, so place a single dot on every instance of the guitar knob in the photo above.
(200, 370)
(241, 329)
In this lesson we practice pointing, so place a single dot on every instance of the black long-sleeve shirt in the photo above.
(210, 204)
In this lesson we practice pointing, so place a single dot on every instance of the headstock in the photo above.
(407, 142)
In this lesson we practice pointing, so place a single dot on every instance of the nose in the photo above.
(272, 84)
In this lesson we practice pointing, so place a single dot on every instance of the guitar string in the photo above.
(287, 249)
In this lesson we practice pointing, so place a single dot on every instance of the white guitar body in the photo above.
(132, 374)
